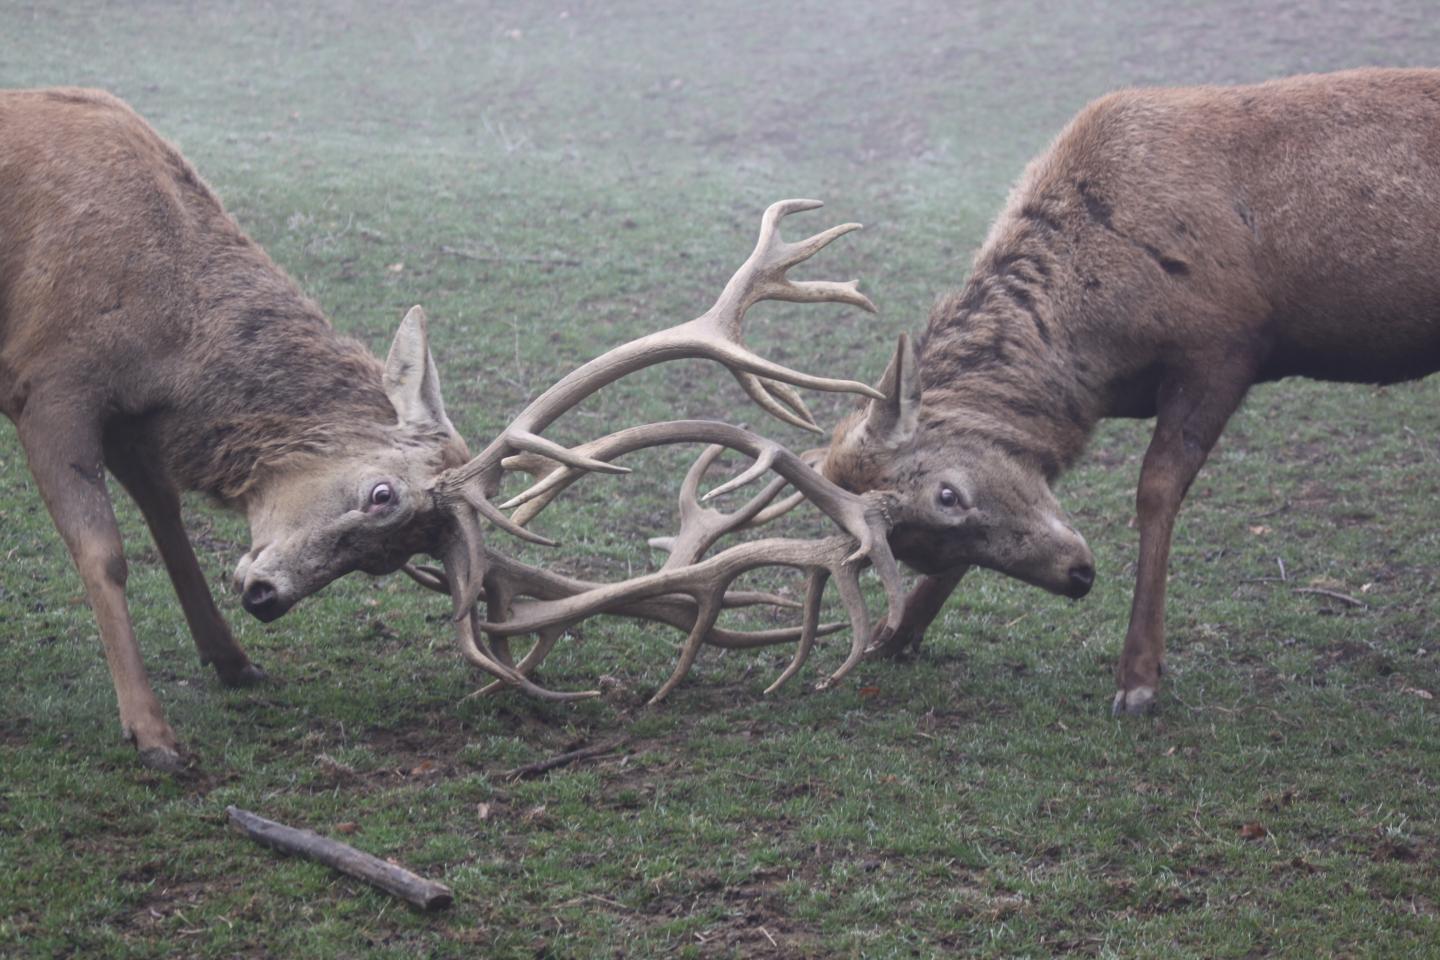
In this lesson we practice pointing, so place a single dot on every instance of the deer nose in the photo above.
(262, 601)
(1082, 578)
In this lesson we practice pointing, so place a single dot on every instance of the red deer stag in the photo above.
(143, 332)
(1170, 249)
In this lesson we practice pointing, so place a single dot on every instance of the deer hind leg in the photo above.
(1189, 419)
(922, 605)
(160, 504)
(65, 458)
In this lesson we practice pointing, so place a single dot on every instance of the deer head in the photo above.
(369, 507)
(958, 501)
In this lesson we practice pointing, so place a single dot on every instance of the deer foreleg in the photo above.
(922, 605)
(158, 502)
(65, 458)
(1189, 420)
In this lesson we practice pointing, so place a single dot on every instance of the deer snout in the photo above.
(1071, 564)
(262, 601)
(265, 590)
(1082, 578)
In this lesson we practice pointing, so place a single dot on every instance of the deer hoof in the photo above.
(162, 759)
(1134, 703)
(247, 676)
(895, 645)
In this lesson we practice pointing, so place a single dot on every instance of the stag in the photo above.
(141, 331)
(1170, 249)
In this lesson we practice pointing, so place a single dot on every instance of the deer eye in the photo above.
(949, 497)
(382, 495)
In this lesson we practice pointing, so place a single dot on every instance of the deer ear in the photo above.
(892, 422)
(411, 381)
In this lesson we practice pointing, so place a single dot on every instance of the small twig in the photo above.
(501, 258)
(393, 879)
(1344, 598)
(574, 756)
(1281, 564)
(768, 937)
(1263, 580)
(1270, 513)
(599, 899)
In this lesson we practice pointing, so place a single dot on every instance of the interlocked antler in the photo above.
(717, 335)
(514, 578)
(864, 520)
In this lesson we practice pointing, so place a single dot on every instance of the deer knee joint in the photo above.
(105, 564)
(117, 571)
(1155, 495)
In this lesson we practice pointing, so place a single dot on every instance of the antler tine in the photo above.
(847, 578)
(809, 630)
(701, 527)
(431, 578)
(534, 443)
(545, 641)
(738, 357)
(762, 276)
(750, 640)
(780, 400)
(466, 635)
(481, 504)
(705, 619)
(813, 458)
(690, 486)
(499, 595)
(758, 469)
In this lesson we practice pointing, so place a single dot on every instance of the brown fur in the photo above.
(1171, 248)
(140, 327)
(127, 250)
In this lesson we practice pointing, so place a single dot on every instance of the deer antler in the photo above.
(516, 578)
(864, 520)
(717, 334)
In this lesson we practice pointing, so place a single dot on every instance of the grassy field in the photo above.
(612, 159)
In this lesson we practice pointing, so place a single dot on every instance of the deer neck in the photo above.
(995, 368)
(267, 382)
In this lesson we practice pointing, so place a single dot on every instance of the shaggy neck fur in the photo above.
(994, 363)
(271, 380)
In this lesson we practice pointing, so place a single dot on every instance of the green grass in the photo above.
(977, 800)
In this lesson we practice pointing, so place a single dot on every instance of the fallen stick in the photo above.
(1346, 599)
(574, 756)
(394, 880)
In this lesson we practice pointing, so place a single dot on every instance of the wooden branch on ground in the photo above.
(394, 880)
(574, 756)
(1344, 598)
